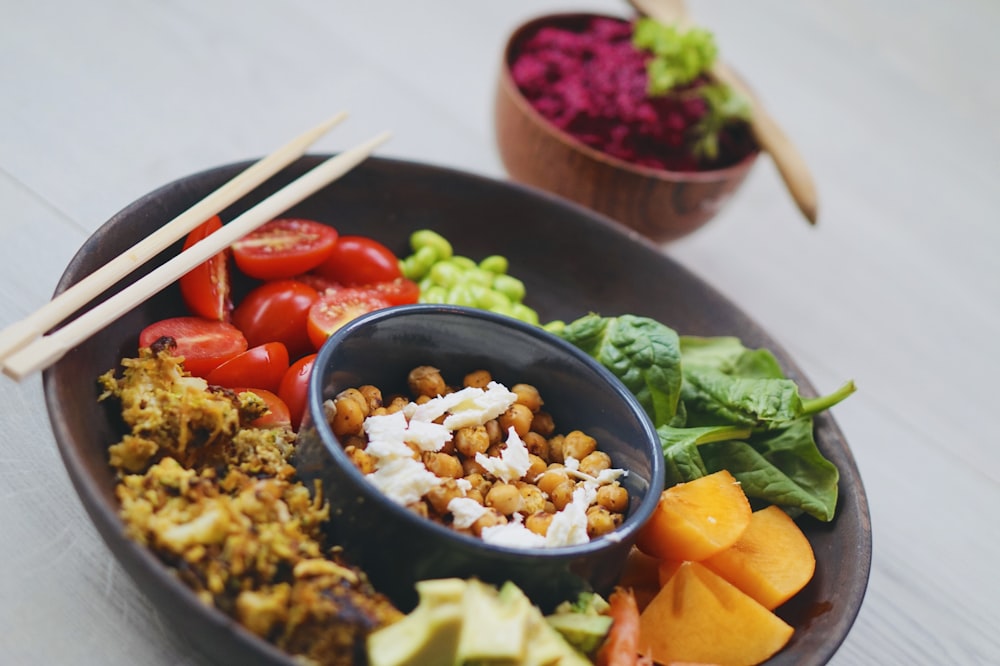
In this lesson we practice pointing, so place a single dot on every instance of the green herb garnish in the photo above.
(679, 56)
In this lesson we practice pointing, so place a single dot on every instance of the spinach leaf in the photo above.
(727, 353)
(643, 353)
(680, 449)
(783, 467)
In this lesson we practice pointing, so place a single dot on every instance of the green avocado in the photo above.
(583, 631)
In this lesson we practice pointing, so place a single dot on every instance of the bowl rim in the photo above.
(511, 89)
(314, 405)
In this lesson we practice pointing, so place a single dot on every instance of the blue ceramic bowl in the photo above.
(396, 546)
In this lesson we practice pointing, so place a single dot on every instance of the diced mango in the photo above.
(700, 617)
(696, 519)
(771, 561)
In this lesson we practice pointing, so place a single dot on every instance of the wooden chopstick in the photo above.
(20, 333)
(48, 349)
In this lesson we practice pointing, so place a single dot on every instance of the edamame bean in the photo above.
(446, 274)
(434, 294)
(524, 313)
(490, 299)
(510, 286)
(427, 238)
(460, 294)
(464, 263)
(417, 264)
(495, 264)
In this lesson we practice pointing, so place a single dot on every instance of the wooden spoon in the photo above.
(766, 131)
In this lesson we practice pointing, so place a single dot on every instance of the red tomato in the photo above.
(205, 287)
(204, 343)
(337, 306)
(358, 260)
(262, 366)
(277, 415)
(621, 646)
(294, 386)
(398, 292)
(277, 312)
(283, 248)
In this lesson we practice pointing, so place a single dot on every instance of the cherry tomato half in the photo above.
(277, 312)
(205, 288)
(277, 415)
(400, 291)
(358, 260)
(204, 343)
(283, 248)
(294, 386)
(262, 366)
(337, 306)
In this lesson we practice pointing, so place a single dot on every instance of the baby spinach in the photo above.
(719, 405)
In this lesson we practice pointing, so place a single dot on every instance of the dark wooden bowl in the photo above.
(661, 205)
(571, 260)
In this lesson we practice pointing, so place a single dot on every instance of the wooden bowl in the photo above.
(661, 205)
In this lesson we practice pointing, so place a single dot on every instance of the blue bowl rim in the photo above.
(314, 405)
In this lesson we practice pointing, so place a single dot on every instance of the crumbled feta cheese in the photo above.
(513, 461)
(569, 526)
(465, 511)
(427, 436)
(404, 480)
(481, 407)
(514, 535)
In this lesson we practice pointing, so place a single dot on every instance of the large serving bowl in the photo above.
(659, 204)
(571, 260)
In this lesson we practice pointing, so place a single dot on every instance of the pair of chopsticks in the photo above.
(23, 347)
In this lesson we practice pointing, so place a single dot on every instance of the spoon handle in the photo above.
(766, 131)
(772, 139)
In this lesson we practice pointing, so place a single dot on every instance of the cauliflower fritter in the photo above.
(219, 502)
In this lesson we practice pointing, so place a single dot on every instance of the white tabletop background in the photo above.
(894, 104)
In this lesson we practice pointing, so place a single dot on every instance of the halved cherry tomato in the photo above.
(294, 386)
(205, 288)
(283, 248)
(337, 306)
(277, 415)
(621, 646)
(262, 366)
(358, 260)
(277, 312)
(204, 343)
(398, 292)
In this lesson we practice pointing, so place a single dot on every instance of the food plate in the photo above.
(571, 260)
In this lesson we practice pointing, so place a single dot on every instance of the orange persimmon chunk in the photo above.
(700, 617)
(771, 561)
(696, 519)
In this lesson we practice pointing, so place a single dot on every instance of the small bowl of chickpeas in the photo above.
(456, 442)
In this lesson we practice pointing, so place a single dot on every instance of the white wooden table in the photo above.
(894, 105)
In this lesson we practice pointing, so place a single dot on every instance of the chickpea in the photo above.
(491, 518)
(470, 466)
(539, 522)
(397, 404)
(528, 396)
(420, 508)
(372, 395)
(439, 496)
(476, 497)
(537, 445)
(536, 467)
(426, 381)
(556, 449)
(552, 477)
(518, 417)
(504, 497)
(495, 432)
(543, 424)
(601, 521)
(348, 417)
(578, 445)
(361, 459)
(479, 483)
(471, 440)
(443, 465)
(357, 441)
(478, 379)
(532, 499)
(613, 498)
(595, 463)
(562, 494)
